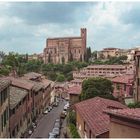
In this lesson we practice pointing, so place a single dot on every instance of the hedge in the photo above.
(73, 131)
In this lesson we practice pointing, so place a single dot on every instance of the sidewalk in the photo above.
(63, 128)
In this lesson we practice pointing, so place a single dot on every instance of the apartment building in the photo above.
(123, 86)
(137, 76)
(108, 71)
(74, 94)
(18, 111)
(46, 93)
(108, 52)
(4, 108)
(28, 86)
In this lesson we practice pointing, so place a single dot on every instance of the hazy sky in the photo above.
(24, 27)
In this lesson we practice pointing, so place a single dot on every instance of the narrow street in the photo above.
(46, 123)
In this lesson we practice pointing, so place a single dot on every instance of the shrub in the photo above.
(73, 131)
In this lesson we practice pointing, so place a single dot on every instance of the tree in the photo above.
(63, 60)
(52, 75)
(4, 71)
(134, 105)
(98, 86)
(94, 55)
(33, 65)
(60, 78)
(49, 58)
(2, 55)
(69, 76)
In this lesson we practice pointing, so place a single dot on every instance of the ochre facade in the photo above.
(62, 50)
(124, 129)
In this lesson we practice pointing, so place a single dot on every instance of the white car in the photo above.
(30, 132)
(65, 112)
(56, 131)
(65, 107)
(46, 111)
(52, 135)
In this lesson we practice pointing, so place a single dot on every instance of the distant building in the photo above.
(108, 71)
(74, 94)
(77, 82)
(4, 108)
(123, 86)
(91, 121)
(124, 123)
(64, 49)
(18, 89)
(137, 76)
(33, 57)
(106, 53)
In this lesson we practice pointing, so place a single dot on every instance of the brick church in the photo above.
(64, 49)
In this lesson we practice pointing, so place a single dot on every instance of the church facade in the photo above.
(65, 49)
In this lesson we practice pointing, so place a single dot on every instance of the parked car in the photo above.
(57, 125)
(67, 104)
(46, 112)
(30, 132)
(49, 108)
(56, 131)
(57, 120)
(65, 112)
(65, 108)
(55, 104)
(62, 115)
(52, 135)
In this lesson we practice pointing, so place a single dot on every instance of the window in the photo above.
(138, 61)
(138, 81)
(84, 126)
(3, 96)
(5, 117)
(124, 87)
(2, 123)
(118, 86)
(13, 111)
(90, 134)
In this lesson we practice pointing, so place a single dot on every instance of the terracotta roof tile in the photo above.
(4, 83)
(132, 114)
(74, 90)
(16, 95)
(91, 111)
(32, 75)
(19, 82)
(123, 79)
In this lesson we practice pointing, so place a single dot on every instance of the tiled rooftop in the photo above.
(16, 95)
(4, 83)
(77, 80)
(32, 75)
(36, 85)
(123, 79)
(132, 114)
(91, 111)
(19, 82)
(74, 90)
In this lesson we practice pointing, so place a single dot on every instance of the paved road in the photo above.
(46, 123)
